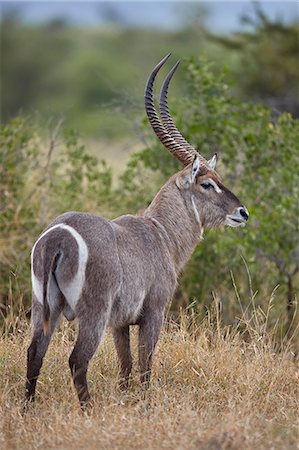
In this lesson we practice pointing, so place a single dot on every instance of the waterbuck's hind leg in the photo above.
(92, 323)
(149, 331)
(39, 344)
(121, 338)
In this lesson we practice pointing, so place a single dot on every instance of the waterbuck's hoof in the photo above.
(27, 405)
(124, 384)
(87, 407)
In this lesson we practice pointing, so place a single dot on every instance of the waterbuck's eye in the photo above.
(207, 185)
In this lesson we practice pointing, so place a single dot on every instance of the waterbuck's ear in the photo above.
(213, 161)
(195, 169)
(186, 180)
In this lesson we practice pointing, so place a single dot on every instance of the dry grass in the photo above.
(210, 390)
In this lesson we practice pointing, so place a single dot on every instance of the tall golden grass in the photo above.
(213, 387)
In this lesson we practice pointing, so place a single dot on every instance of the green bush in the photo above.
(37, 184)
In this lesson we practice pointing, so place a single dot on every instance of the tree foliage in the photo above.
(93, 75)
(268, 60)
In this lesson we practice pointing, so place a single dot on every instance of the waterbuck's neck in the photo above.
(176, 214)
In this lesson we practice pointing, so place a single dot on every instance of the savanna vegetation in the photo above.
(210, 390)
(226, 367)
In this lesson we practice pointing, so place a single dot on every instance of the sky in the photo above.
(223, 16)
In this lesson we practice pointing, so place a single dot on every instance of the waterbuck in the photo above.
(124, 271)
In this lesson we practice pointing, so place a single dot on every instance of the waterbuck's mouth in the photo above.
(233, 221)
(239, 218)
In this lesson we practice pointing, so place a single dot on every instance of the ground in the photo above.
(210, 390)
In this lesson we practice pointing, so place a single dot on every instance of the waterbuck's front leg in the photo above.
(121, 338)
(149, 331)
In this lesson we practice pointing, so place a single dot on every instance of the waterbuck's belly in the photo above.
(126, 308)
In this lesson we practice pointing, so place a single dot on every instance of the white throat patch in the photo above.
(196, 214)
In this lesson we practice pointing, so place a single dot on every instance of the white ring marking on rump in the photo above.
(72, 290)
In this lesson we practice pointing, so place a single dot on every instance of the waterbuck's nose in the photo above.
(243, 212)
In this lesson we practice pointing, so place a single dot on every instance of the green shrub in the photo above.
(37, 184)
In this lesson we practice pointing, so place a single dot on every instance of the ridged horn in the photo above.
(167, 140)
(168, 121)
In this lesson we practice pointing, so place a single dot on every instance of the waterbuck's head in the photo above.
(208, 200)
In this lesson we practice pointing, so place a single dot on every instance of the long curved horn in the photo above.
(168, 121)
(176, 149)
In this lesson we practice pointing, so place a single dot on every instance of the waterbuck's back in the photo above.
(126, 258)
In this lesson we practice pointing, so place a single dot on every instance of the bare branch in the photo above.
(53, 138)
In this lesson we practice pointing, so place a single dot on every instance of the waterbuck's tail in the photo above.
(50, 264)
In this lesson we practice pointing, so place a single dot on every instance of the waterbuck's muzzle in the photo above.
(238, 218)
